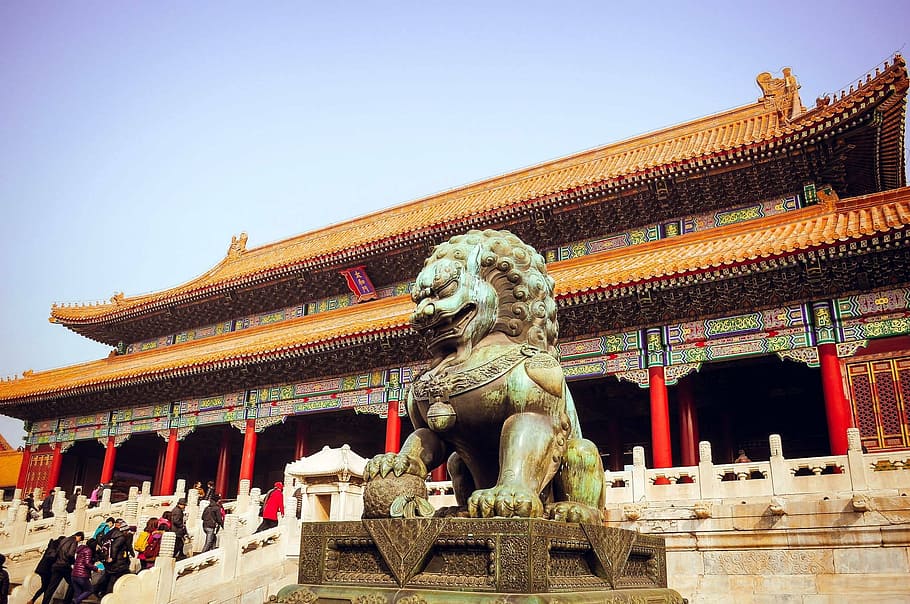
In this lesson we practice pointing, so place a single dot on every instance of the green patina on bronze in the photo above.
(494, 405)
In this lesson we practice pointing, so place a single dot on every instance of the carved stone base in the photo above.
(330, 594)
(500, 558)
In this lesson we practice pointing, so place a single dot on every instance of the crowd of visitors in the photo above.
(92, 566)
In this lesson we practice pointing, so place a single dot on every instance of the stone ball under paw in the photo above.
(379, 493)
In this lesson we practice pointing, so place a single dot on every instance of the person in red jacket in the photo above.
(272, 506)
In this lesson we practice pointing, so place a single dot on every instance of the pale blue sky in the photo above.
(137, 138)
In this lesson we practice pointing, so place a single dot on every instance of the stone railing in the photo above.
(778, 476)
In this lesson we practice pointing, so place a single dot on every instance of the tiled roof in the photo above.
(10, 462)
(825, 224)
(818, 226)
(757, 125)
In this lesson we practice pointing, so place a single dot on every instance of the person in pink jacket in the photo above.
(272, 506)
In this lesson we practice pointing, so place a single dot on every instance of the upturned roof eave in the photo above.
(830, 224)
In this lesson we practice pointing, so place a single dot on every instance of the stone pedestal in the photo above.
(478, 560)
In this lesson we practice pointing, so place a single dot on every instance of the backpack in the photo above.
(152, 547)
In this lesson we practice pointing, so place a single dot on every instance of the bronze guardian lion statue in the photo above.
(494, 403)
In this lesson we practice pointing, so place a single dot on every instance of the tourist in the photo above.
(47, 506)
(71, 502)
(118, 552)
(165, 519)
(103, 529)
(31, 512)
(62, 567)
(209, 490)
(43, 570)
(178, 527)
(142, 538)
(272, 506)
(95, 497)
(83, 566)
(742, 457)
(4, 581)
(148, 555)
(198, 488)
(212, 521)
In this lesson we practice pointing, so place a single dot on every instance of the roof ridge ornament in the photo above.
(238, 246)
(781, 94)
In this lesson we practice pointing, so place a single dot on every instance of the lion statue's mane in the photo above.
(518, 274)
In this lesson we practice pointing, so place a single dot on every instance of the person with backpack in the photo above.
(116, 553)
(212, 521)
(43, 570)
(143, 537)
(272, 506)
(153, 546)
(62, 567)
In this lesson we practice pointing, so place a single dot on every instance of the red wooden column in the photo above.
(837, 408)
(393, 429)
(53, 476)
(159, 469)
(660, 418)
(248, 459)
(224, 462)
(300, 448)
(439, 473)
(23, 469)
(688, 423)
(110, 454)
(169, 473)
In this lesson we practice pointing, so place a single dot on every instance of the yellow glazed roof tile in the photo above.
(758, 123)
(821, 225)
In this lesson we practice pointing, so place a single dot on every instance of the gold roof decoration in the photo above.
(814, 227)
(782, 94)
(775, 120)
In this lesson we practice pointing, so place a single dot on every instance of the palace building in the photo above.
(742, 274)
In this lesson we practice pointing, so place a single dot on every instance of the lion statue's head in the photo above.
(480, 283)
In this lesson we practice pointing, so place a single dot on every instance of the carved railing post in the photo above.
(80, 514)
(781, 479)
(856, 463)
(243, 497)
(706, 477)
(229, 543)
(180, 489)
(165, 565)
(639, 474)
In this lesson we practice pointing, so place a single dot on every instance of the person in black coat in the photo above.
(4, 581)
(117, 563)
(62, 567)
(43, 569)
(71, 502)
(47, 506)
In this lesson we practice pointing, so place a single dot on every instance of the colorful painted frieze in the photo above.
(699, 222)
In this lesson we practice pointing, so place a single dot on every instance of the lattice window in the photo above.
(879, 389)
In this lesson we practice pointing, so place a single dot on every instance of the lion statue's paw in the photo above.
(393, 463)
(506, 501)
(572, 511)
